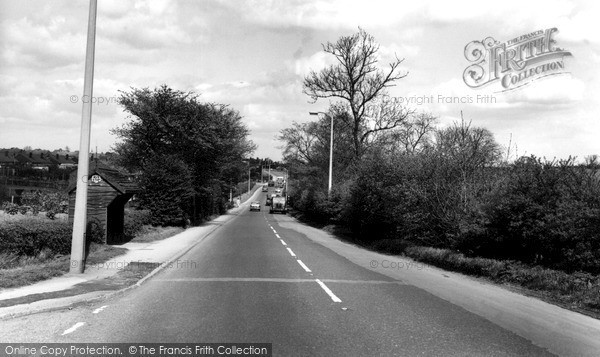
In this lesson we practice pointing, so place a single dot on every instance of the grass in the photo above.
(23, 271)
(149, 233)
(17, 271)
(578, 291)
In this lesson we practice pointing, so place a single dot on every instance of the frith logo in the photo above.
(514, 63)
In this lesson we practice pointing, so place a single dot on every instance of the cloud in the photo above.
(50, 45)
(315, 62)
(550, 92)
(318, 14)
(146, 25)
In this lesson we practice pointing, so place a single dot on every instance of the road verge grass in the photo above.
(29, 270)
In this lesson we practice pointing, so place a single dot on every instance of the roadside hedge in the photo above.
(31, 237)
(134, 221)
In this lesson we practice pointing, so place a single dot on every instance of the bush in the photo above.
(32, 237)
(94, 232)
(46, 201)
(134, 221)
(23, 209)
(10, 208)
(51, 214)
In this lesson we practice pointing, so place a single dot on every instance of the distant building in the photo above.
(34, 160)
(7, 159)
(63, 161)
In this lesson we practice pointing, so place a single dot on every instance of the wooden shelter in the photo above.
(108, 192)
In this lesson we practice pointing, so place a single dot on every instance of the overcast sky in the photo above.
(253, 55)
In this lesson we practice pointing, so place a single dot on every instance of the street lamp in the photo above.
(330, 149)
(287, 177)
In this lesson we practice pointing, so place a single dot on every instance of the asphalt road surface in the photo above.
(254, 281)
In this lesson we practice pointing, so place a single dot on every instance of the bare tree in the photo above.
(358, 81)
(299, 142)
(413, 136)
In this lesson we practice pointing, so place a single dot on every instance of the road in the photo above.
(253, 280)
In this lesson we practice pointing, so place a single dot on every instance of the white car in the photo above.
(255, 205)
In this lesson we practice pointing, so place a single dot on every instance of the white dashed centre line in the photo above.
(323, 286)
(304, 266)
(72, 329)
(329, 292)
(99, 309)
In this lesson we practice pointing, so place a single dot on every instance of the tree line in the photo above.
(399, 177)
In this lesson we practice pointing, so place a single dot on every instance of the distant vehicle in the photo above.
(271, 183)
(279, 180)
(255, 206)
(278, 205)
(265, 188)
(278, 190)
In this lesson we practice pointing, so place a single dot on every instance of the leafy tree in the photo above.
(205, 142)
(167, 190)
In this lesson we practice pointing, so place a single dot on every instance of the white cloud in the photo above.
(550, 91)
(303, 65)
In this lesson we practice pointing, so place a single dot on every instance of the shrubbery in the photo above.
(533, 211)
(57, 202)
(10, 208)
(36, 201)
(134, 221)
(31, 237)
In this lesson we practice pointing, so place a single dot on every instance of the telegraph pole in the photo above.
(80, 217)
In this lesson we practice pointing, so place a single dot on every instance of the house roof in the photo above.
(61, 159)
(7, 157)
(34, 158)
(120, 181)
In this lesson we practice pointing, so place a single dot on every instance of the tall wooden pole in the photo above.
(80, 217)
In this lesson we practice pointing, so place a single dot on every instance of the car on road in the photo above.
(265, 188)
(278, 191)
(255, 206)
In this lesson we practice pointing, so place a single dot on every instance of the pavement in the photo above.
(103, 280)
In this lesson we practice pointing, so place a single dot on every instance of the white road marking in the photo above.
(277, 235)
(329, 292)
(291, 253)
(282, 242)
(72, 329)
(99, 309)
(304, 266)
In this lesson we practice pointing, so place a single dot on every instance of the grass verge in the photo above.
(17, 271)
(29, 270)
(149, 233)
(578, 291)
